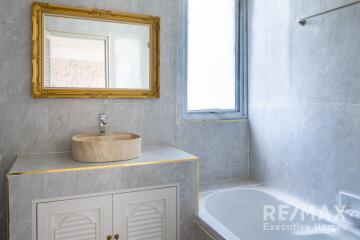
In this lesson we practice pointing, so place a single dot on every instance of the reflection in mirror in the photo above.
(74, 61)
(92, 54)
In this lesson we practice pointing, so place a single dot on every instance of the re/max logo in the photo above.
(288, 213)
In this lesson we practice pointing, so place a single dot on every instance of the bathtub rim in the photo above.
(213, 225)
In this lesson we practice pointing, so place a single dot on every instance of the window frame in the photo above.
(51, 32)
(241, 109)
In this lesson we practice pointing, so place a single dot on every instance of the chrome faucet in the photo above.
(102, 124)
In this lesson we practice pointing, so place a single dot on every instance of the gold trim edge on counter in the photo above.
(118, 165)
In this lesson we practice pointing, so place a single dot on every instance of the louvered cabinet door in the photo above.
(78, 219)
(146, 215)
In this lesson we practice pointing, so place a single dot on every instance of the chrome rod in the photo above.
(302, 21)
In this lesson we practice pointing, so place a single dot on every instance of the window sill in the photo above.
(204, 121)
(208, 117)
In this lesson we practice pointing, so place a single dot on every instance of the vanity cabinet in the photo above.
(84, 218)
(147, 214)
(150, 214)
(153, 197)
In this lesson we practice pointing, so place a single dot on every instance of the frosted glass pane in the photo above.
(211, 54)
(77, 62)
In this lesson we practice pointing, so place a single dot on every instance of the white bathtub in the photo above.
(238, 214)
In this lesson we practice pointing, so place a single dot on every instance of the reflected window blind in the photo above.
(47, 66)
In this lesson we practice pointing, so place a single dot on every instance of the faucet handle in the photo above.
(102, 124)
(103, 117)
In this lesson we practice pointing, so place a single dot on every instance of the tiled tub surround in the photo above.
(44, 176)
(224, 145)
(201, 233)
(304, 98)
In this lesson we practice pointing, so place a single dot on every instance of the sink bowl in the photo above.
(97, 148)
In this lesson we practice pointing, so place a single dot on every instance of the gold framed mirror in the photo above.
(92, 53)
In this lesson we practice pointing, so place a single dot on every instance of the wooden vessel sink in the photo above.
(105, 148)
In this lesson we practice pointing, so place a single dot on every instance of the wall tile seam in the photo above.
(259, 33)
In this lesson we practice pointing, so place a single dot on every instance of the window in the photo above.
(214, 67)
(69, 58)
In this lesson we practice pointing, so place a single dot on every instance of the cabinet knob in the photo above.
(116, 236)
(109, 237)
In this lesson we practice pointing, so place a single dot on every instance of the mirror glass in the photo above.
(91, 54)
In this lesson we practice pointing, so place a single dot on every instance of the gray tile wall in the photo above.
(305, 98)
(224, 147)
(41, 125)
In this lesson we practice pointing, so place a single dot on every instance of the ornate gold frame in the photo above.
(38, 91)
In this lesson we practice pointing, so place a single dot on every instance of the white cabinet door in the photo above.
(146, 215)
(78, 219)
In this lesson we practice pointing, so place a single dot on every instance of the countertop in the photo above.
(62, 162)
